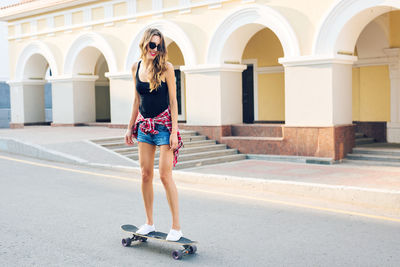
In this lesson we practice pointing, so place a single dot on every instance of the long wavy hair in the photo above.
(159, 65)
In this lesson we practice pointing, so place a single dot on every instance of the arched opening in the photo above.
(38, 94)
(102, 91)
(369, 30)
(233, 42)
(5, 107)
(371, 77)
(90, 65)
(175, 56)
(263, 80)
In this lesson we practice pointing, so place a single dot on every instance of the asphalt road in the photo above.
(64, 215)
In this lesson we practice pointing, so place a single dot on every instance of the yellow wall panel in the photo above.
(394, 18)
(170, 3)
(59, 21)
(77, 17)
(98, 13)
(265, 47)
(144, 5)
(271, 97)
(374, 93)
(25, 28)
(356, 94)
(41, 24)
(120, 10)
(11, 30)
(175, 55)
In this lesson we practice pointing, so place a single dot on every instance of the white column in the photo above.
(393, 127)
(122, 93)
(214, 94)
(73, 99)
(27, 101)
(318, 91)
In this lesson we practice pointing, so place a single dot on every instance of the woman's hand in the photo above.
(128, 137)
(173, 141)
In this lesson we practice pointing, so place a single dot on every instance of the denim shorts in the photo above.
(162, 138)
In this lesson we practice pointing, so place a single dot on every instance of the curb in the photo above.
(387, 201)
(295, 159)
(19, 147)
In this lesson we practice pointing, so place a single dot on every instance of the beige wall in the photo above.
(144, 5)
(371, 93)
(97, 13)
(170, 3)
(271, 97)
(120, 9)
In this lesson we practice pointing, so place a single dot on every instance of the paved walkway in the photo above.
(73, 141)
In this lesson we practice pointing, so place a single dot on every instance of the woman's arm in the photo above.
(135, 109)
(173, 103)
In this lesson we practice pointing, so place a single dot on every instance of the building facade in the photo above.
(317, 70)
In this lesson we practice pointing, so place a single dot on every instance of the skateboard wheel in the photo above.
(143, 239)
(177, 255)
(192, 249)
(126, 242)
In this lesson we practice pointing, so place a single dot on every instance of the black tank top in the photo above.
(151, 104)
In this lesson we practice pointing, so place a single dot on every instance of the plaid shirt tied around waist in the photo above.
(147, 125)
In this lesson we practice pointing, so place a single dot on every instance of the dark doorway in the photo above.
(178, 90)
(248, 94)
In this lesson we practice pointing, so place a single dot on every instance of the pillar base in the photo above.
(16, 125)
(393, 132)
(326, 142)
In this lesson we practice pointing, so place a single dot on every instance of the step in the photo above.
(115, 145)
(257, 130)
(377, 151)
(359, 135)
(127, 149)
(120, 139)
(203, 145)
(108, 140)
(208, 161)
(203, 155)
(190, 138)
(199, 143)
(191, 150)
(251, 138)
(370, 163)
(118, 144)
(353, 156)
(365, 140)
(254, 145)
(187, 132)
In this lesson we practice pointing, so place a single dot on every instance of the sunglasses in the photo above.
(153, 45)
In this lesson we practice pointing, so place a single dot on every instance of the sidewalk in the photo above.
(374, 187)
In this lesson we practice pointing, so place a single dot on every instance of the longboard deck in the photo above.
(157, 235)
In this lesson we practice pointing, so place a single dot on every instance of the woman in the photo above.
(154, 122)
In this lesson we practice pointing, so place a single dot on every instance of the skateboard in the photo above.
(189, 246)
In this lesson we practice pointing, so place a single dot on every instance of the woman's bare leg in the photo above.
(165, 167)
(146, 160)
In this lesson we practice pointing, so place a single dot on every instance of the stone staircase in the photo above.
(255, 138)
(197, 150)
(369, 152)
(361, 139)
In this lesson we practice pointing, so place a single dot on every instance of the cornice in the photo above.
(213, 68)
(37, 7)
